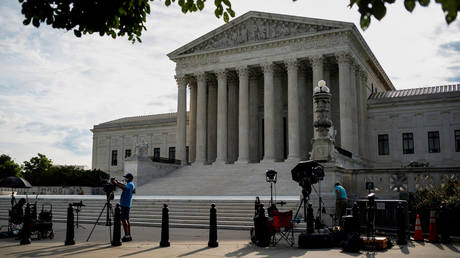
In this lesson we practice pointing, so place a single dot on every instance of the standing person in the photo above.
(126, 200)
(341, 201)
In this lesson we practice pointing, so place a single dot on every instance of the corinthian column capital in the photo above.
(181, 80)
(242, 70)
(291, 63)
(343, 57)
(316, 61)
(201, 77)
(221, 74)
(268, 67)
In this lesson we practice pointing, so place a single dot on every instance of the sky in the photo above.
(55, 87)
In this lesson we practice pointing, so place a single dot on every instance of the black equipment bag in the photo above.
(352, 243)
(317, 240)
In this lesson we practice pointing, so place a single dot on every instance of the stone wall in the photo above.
(55, 190)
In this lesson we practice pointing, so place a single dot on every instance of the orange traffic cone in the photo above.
(418, 234)
(433, 236)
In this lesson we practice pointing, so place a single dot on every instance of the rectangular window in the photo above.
(408, 143)
(114, 157)
(156, 153)
(457, 140)
(172, 153)
(384, 148)
(127, 153)
(433, 142)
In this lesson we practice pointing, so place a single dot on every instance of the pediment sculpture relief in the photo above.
(256, 30)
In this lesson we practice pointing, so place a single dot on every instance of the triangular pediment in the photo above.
(257, 27)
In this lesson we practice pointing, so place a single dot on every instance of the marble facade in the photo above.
(263, 67)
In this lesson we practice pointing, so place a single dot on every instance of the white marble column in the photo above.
(305, 111)
(293, 110)
(345, 100)
(222, 120)
(354, 81)
(181, 129)
(192, 122)
(253, 117)
(201, 119)
(212, 120)
(363, 113)
(232, 115)
(269, 113)
(243, 128)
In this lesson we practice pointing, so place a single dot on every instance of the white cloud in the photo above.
(55, 87)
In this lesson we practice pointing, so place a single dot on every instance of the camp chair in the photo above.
(282, 227)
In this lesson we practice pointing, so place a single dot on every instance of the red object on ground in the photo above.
(418, 234)
(433, 236)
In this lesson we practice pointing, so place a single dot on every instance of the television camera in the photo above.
(307, 173)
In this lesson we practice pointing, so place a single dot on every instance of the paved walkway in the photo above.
(192, 243)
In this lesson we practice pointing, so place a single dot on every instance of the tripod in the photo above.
(305, 197)
(321, 206)
(108, 219)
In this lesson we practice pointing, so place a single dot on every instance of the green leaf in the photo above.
(379, 10)
(77, 33)
(226, 18)
(36, 22)
(424, 2)
(365, 21)
(168, 2)
(409, 4)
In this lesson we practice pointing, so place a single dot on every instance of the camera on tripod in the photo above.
(109, 187)
(307, 173)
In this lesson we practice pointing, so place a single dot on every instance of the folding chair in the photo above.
(282, 227)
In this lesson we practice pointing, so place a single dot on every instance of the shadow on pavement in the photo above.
(268, 251)
(141, 251)
(452, 247)
(194, 252)
(57, 250)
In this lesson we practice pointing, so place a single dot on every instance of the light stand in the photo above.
(271, 177)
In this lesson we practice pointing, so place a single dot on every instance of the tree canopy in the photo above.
(8, 167)
(127, 17)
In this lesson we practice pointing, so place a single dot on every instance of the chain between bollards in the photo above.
(26, 227)
(213, 227)
(165, 227)
(116, 226)
(70, 232)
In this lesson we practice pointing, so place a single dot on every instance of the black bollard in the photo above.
(70, 233)
(213, 227)
(402, 235)
(116, 226)
(356, 218)
(444, 229)
(165, 226)
(310, 219)
(26, 227)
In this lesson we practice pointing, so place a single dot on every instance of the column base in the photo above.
(293, 159)
(242, 161)
(220, 162)
(268, 160)
(200, 163)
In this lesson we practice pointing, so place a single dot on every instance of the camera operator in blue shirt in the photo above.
(341, 202)
(126, 200)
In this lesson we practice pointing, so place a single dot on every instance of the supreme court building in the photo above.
(251, 84)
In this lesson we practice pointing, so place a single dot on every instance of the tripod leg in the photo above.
(96, 222)
(298, 209)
